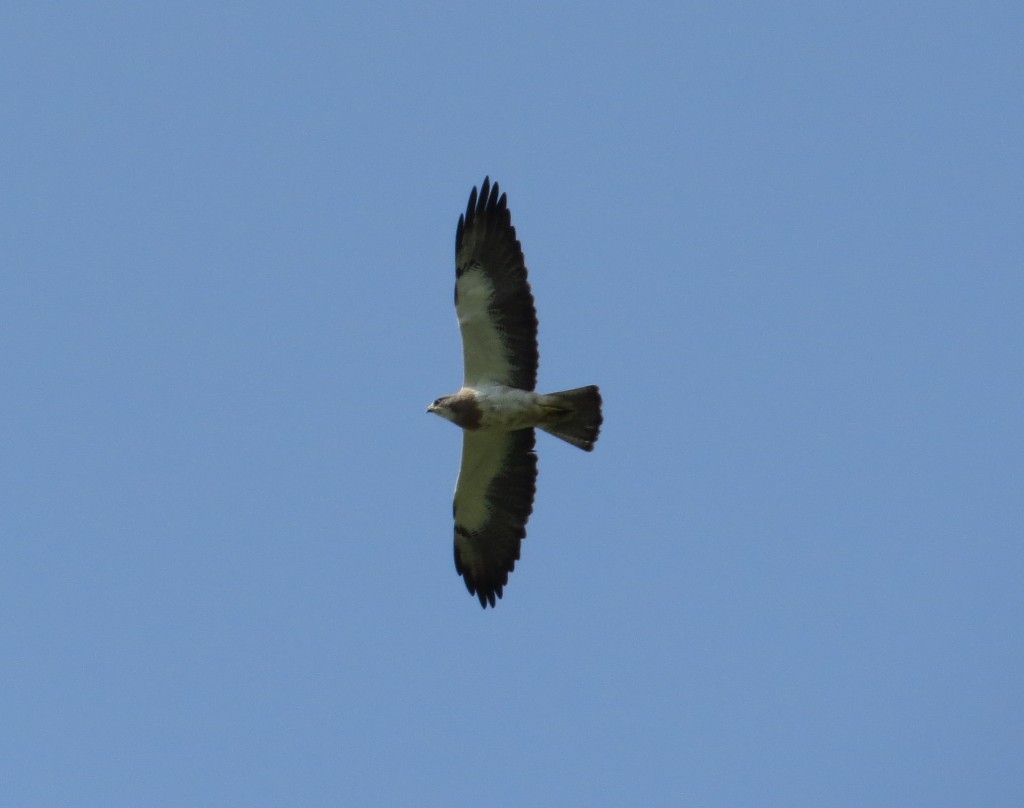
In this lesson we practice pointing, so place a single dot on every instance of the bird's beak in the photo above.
(430, 408)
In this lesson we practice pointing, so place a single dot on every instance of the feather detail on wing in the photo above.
(492, 296)
(493, 500)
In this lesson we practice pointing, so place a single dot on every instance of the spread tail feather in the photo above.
(574, 416)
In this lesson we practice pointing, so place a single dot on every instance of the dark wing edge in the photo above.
(487, 551)
(485, 240)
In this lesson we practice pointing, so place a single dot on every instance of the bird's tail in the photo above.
(573, 416)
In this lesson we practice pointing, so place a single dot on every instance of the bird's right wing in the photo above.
(493, 500)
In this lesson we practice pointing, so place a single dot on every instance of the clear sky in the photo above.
(787, 240)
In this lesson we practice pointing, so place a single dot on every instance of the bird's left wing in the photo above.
(493, 500)
(492, 296)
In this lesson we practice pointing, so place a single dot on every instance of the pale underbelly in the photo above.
(506, 409)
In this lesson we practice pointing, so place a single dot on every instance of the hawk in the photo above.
(497, 406)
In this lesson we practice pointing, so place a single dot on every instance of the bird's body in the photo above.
(491, 406)
(506, 409)
(497, 406)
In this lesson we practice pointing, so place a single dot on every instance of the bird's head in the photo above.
(461, 409)
(442, 407)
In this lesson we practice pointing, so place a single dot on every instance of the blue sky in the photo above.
(785, 239)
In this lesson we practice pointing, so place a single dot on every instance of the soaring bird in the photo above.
(497, 406)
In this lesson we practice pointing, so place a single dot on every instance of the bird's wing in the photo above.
(493, 500)
(492, 296)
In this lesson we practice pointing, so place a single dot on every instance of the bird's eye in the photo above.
(436, 402)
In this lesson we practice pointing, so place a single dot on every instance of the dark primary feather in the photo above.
(484, 557)
(485, 240)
